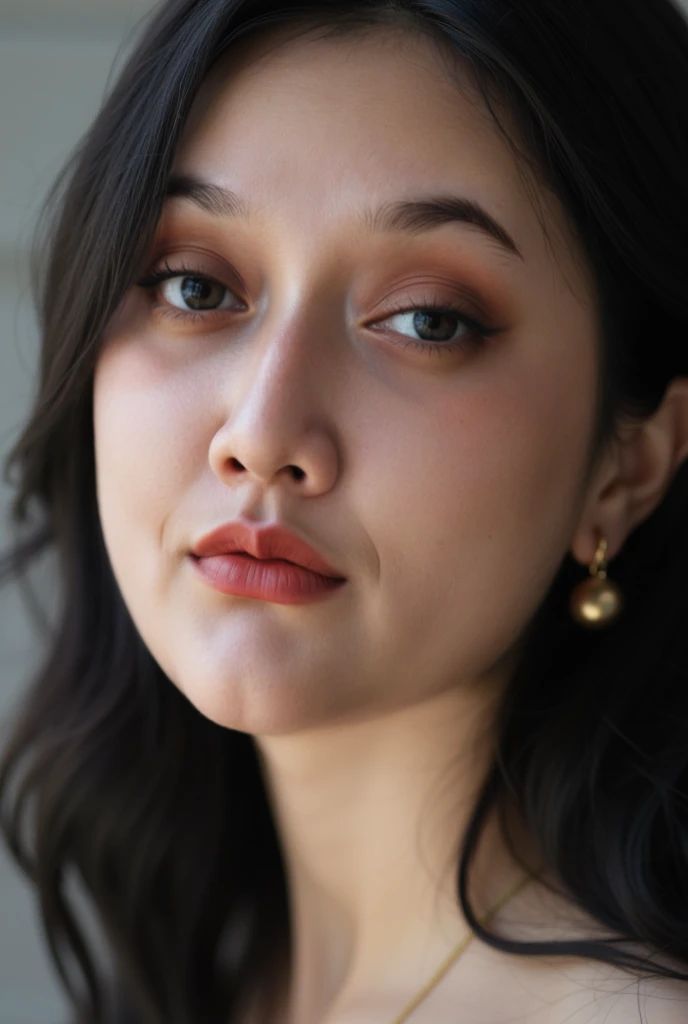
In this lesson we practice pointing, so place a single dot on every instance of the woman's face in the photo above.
(442, 470)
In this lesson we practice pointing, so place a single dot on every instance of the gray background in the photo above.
(56, 57)
(55, 60)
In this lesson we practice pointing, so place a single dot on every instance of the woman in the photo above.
(364, 360)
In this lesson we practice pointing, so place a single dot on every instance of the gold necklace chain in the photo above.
(456, 953)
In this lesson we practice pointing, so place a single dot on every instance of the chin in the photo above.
(256, 709)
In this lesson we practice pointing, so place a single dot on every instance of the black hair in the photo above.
(101, 772)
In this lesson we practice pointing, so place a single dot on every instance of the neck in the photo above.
(370, 816)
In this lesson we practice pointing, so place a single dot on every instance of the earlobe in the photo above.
(606, 511)
(634, 479)
(659, 448)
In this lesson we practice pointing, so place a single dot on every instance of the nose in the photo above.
(278, 428)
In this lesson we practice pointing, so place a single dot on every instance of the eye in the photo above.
(194, 292)
(437, 328)
(188, 290)
(431, 324)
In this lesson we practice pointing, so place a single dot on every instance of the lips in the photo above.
(273, 542)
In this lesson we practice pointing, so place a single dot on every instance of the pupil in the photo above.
(431, 320)
(196, 292)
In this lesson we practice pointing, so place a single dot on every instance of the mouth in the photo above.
(248, 557)
(279, 561)
(272, 543)
(275, 580)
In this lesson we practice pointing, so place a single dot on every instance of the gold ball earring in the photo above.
(597, 602)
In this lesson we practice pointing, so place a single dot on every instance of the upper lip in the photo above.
(263, 542)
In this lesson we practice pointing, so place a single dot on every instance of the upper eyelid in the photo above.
(158, 277)
(167, 272)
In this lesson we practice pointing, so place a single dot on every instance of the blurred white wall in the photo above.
(55, 60)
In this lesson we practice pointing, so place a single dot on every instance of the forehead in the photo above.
(311, 129)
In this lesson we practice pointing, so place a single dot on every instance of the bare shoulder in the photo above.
(589, 991)
(648, 1001)
(599, 994)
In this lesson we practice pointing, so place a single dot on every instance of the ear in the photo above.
(632, 477)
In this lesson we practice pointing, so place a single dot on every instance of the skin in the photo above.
(446, 488)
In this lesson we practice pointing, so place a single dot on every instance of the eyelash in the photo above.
(479, 332)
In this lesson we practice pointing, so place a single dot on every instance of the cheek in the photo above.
(145, 458)
(143, 415)
(520, 439)
(512, 445)
(478, 499)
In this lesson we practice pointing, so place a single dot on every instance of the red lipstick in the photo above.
(268, 563)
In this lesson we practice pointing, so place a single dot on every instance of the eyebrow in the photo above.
(412, 216)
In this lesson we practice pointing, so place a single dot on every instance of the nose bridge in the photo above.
(292, 350)
(304, 308)
(279, 395)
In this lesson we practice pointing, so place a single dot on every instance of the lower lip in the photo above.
(278, 581)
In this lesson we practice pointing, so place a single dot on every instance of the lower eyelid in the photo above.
(191, 315)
